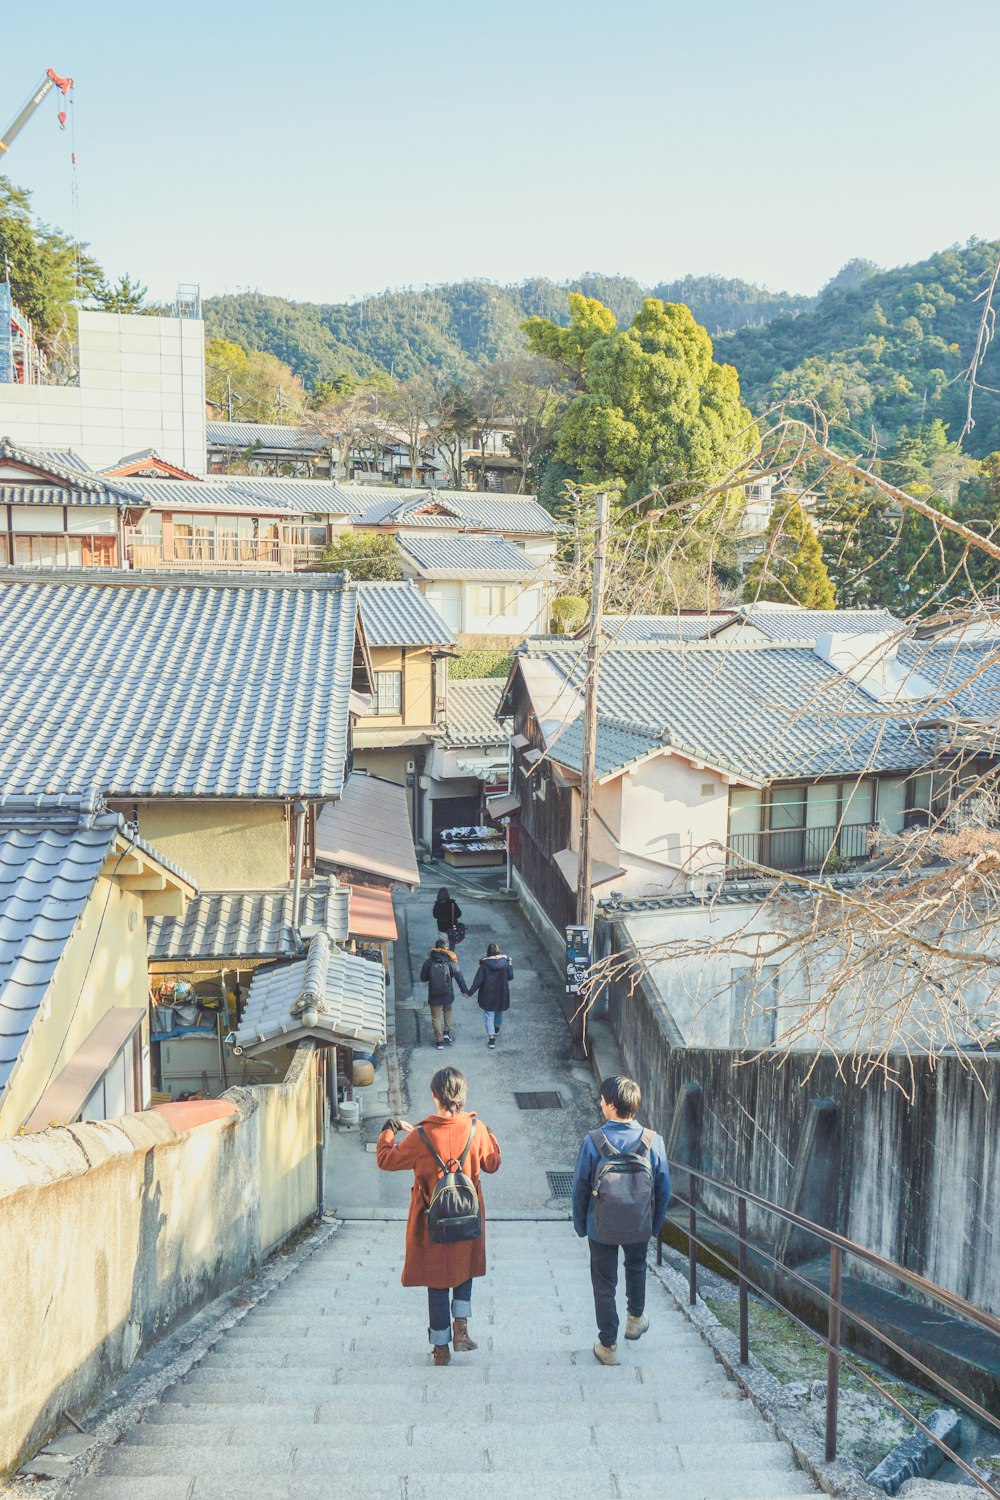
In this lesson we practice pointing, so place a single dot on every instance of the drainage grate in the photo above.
(539, 1101)
(560, 1184)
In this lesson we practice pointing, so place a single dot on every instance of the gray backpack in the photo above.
(623, 1191)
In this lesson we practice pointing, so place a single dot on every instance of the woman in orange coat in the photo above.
(446, 1271)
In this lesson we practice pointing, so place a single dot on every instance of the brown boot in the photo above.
(441, 1354)
(460, 1336)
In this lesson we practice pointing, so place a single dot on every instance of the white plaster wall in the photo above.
(668, 820)
(142, 385)
(695, 984)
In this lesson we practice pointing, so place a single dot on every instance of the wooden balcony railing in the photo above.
(220, 552)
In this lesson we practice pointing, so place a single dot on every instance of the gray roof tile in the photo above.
(398, 614)
(628, 629)
(466, 557)
(249, 924)
(80, 485)
(779, 623)
(464, 510)
(51, 854)
(178, 685)
(328, 995)
(243, 435)
(472, 712)
(762, 711)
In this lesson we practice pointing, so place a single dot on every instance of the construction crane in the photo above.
(50, 80)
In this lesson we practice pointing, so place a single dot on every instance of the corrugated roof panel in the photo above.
(270, 435)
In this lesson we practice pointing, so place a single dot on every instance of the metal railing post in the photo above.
(741, 1209)
(833, 1355)
(692, 1246)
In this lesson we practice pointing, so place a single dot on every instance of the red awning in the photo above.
(372, 915)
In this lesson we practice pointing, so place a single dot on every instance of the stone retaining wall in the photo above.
(918, 1182)
(114, 1232)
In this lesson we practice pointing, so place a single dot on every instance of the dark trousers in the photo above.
(604, 1279)
(441, 1302)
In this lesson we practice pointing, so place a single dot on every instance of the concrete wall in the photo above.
(103, 965)
(142, 385)
(224, 846)
(112, 1234)
(918, 1181)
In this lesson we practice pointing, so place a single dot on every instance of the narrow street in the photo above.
(326, 1390)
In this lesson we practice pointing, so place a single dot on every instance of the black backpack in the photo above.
(453, 1209)
(623, 1191)
(439, 979)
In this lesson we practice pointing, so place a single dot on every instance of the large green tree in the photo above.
(369, 556)
(46, 271)
(653, 408)
(791, 570)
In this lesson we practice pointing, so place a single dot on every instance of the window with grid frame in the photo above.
(389, 693)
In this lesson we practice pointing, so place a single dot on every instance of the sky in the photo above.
(324, 151)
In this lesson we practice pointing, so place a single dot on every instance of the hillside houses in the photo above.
(214, 714)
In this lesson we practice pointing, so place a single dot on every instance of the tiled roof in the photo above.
(328, 995)
(80, 485)
(472, 510)
(472, 712)
(245, 435)
(967, 675)
(398, 614)
(269, 497)
(175, 685)
(639, 628)
(368, 830)
(249, 924)
(466, 557)
(791, 623)
(761, 711)
(52, 850)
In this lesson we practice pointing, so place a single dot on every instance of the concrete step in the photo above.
(359, 1351)
(435, 1413)
(422, 1424)
(333, 1486)
(268, 1458)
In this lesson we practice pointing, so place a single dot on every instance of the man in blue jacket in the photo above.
(621, 1192)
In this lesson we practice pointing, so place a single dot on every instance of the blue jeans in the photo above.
(439, 1315)
(604, 1280)
(494, 1020)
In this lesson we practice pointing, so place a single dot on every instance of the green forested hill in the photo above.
(888, 351)
(454, 328)
(882, 349)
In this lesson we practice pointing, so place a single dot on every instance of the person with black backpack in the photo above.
(448, 916)
(446, 1229)
(439, 972)
(621, 1191)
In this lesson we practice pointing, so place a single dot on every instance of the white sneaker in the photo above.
(604, 1355)
(636, 1327)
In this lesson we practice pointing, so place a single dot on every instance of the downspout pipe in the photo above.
(300, 809)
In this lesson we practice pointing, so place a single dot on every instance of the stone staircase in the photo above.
(326, 1390)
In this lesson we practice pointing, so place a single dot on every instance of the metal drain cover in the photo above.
(550, 1100)
(560, 1184)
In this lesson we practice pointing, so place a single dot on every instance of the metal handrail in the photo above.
(839, 1246)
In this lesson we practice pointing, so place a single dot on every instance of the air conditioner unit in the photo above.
(423, 782)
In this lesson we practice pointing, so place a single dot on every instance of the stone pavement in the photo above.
(325, 1389)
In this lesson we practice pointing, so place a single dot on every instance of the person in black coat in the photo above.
(439, 972)
(447, 913)
(492, 983)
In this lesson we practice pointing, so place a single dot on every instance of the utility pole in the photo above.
(588, 764)
(583, 881)
(229, 395)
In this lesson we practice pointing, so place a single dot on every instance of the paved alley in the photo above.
(325, 1389)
